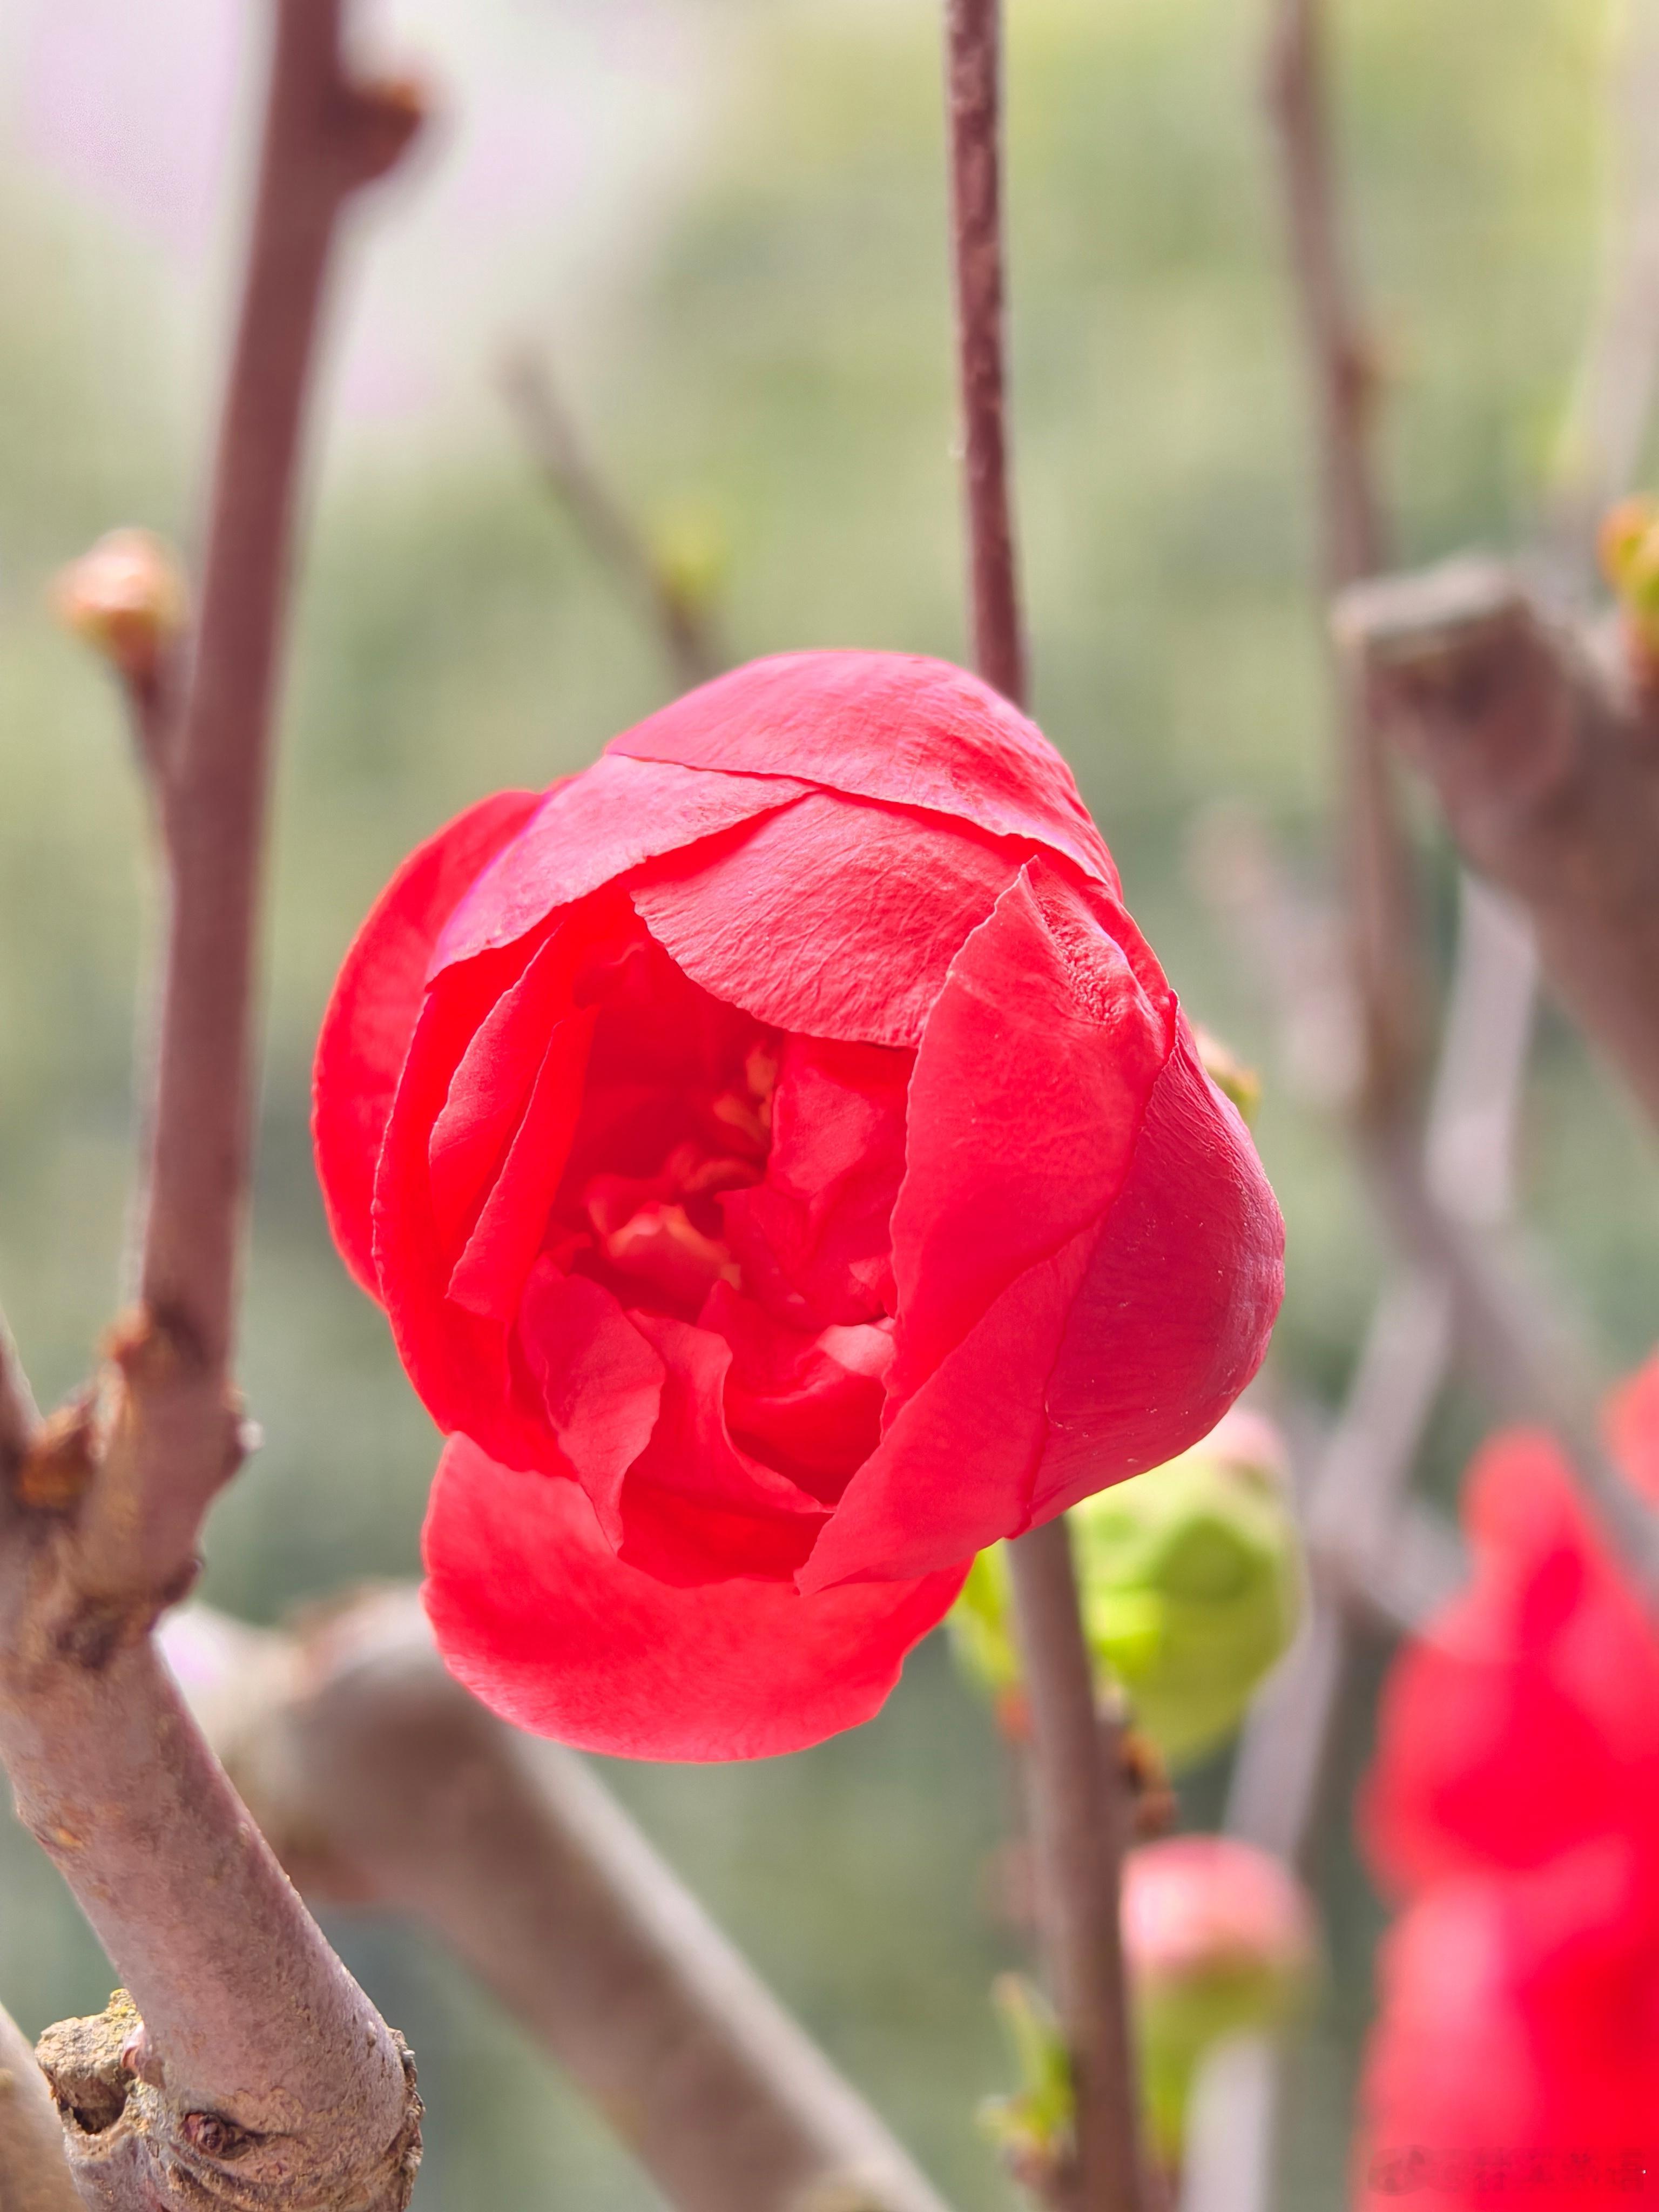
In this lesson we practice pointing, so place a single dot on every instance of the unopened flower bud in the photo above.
(1219, 1940)
(128, 600)
(1189, 1578)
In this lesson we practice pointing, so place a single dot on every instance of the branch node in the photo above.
(61, 1460)
(376, 121)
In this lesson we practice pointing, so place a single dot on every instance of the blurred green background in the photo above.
(756, 339)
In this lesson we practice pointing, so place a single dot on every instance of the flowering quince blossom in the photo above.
(1514, 1804)
(786, 1170)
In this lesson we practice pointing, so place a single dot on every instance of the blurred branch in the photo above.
(1613, 402)
(685, 626)
(1446, 1200)
(34, 2175)
(381, 1781)
(1546, 766)
(1080, 1811)
(18, 1416)
(1342, 383)
(258, 2069)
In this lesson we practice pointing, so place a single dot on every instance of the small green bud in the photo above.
(1219, 1940)
(1190, 1582)
(1033, 2127)
(692, 554)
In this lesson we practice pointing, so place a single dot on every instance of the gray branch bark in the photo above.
(379, 1779)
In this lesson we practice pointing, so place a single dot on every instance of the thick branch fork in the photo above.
(254, 2071)
(1543, 753)
(381, 1781)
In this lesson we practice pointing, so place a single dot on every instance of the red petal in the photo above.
(809, 1405)
(601, 1383)
(892, 726)
(694, 1508)
(371, 1017)
(489, 1277)
(1108, 1357)
(1526, 1721)
(953, 1472)
(1174, 1313)
(815, 1237)
(828, 917)
(457, 1358)
(597, 826)
(1025, 1107)
(539, 1620)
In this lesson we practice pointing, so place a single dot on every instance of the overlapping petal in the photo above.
(830, 916)
(591, 829)
(536, 1615)
(892, 726)
(376, 1003)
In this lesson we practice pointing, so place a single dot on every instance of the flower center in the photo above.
(678, 1111)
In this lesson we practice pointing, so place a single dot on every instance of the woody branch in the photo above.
(379, 1781)
(1543, 750)
(1080, 1816)
(253, 2064)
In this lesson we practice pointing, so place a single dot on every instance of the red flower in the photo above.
(1515, 1801)
(1516, 2057)
(782, 1132)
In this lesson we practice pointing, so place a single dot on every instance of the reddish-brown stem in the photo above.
(685, 625)
(1079, 1811)
(1080, 1823)
(974, 33)
(324, 136)
(1341, 382)
(259, 2067)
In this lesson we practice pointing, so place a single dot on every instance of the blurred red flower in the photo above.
(784, 1163)
(1514, 1804)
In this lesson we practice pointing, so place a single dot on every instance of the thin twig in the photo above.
(34, 2175)
(325, 137)
(381, 1781)
(975, 91)
(685, 625)
(257, 2066)
(1342, 385)
(1080, 1815)
(1080, 1822)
